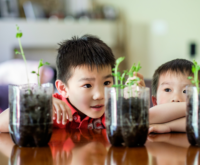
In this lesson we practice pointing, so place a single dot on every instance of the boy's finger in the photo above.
(58, 111)
(69, 113)
(64, 117)
(141, 83)
(138, 75)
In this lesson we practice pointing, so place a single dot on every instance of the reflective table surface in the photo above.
(91, 147)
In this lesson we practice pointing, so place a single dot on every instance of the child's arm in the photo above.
(166, 112)
(178, 125)
(4, 121)
(61, 111)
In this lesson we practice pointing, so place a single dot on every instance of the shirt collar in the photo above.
(73, 110)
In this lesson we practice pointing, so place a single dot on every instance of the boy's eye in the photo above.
(87, 86)
(107, 83)
(184, 91)
(167, 90)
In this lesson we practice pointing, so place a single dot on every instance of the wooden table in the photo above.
(88, 147)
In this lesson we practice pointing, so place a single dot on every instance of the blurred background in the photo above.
(152, 32)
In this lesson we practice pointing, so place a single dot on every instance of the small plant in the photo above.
(39, 66)
(19, 35)
(195, 70)
(118, 77)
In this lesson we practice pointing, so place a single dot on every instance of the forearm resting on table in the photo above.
(166, 112)
(178, 125)
(4, 121)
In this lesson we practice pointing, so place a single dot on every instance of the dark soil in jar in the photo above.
(135, 122)
(31, 120)
(115, 135)
(192, 125)
(132, 117)
(31, 136)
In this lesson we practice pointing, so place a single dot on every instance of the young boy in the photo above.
(169, 96)
(84, 68)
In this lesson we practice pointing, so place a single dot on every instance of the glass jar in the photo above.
(193, 116)
(30, 119)
(127, 115)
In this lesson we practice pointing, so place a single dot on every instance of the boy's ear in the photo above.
(61, 87)
(154, 100)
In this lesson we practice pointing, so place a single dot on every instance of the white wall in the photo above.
(177, 23)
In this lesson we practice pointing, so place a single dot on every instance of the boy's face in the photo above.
(171, 88)
(85, 89)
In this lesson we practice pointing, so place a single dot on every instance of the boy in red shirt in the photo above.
(84, 68)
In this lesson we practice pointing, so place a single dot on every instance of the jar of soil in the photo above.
(30, 119)
(127, 115)
(193, 116)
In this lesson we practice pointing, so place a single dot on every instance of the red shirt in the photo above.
(86, 123)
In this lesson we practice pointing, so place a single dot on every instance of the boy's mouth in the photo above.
(97, 107)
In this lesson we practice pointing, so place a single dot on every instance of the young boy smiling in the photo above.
(84, 68)
(169, 96)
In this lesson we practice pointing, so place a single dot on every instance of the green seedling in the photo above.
(38, 73)
(117, 74)
(118, 77)
(134, 68)
(18, 36)
(195, 70)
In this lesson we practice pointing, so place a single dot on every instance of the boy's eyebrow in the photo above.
(92, 79)
(165, 83)
(108, 76)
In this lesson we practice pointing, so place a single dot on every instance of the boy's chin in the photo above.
(96, 116)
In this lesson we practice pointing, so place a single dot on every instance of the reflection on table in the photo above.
(91, 147)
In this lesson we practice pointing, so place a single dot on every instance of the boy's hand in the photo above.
(140, 83)
(61, 111)
(159, 128)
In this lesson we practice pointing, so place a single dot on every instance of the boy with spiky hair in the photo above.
(169, 96)
(84, 68)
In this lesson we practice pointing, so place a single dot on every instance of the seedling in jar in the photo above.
(19, 34)
(195, 70)
(38, 73)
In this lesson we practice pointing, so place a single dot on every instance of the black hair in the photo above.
(175, 66)
(87, 50)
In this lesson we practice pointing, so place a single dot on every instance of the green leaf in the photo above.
(193, 68)
(190, 77)
(113, 74)
(17, 52)
(38, 74)
(18, 35)
(120, 59)
(46, 63)
(33, 72)
(118, 74)
(138, 67)
(40, 63)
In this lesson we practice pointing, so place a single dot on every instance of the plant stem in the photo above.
(196, 79)
(22, 53)
(38, 76)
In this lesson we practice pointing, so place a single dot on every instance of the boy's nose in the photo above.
(176, 98)
(99, 94)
